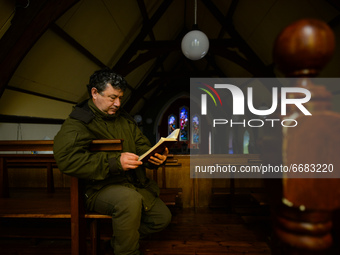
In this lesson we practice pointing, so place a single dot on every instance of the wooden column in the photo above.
(78, 222)
(3, 178)
(303, 216)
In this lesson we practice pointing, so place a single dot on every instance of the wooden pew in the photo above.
(66, 207)
(14, 160)
(62, 207)
(303, 207)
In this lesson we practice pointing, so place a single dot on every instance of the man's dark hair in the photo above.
(99, 79)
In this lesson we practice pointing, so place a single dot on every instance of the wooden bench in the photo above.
(66, 207)
(57, 206)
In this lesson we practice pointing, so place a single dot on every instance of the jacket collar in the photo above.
(82, 112)
(100, 113)
(86, 111)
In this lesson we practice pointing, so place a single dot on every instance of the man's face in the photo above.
(109, 100)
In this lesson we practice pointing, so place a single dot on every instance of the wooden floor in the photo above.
(240, 229)
(207, 232)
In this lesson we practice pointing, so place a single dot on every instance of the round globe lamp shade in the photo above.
(195, 45)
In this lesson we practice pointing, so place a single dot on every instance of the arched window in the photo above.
(195, 130)
(184, 124)
(172, 123)
(231, 150)
(246, 142)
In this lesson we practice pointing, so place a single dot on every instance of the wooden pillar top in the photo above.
(304, 48)
(301, 51)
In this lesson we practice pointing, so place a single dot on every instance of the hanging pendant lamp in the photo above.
(195, 44)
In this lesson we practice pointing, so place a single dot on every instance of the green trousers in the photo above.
(129, 221)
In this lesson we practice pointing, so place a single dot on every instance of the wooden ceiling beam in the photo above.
(212, 63)
(334, 22)
(172, 74)
(131, 51)
(237, 59)
(334, 3)
(21, 20)
(70, 40)
(138, 96)
(158, 48)
(252, 58)
(162, 44)
(146, 19)
(25, 119)
(232, 9)
(176, 44)
(144, 87)
(27, 26)
(40, 95)
(229, 16)
(151, 54)
(144, 13)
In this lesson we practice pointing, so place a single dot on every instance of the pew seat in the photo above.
(52, 204)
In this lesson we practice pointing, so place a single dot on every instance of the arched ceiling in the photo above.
(49, 48)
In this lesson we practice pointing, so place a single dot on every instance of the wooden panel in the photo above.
(27, 145)
(106, 145)
(204, 187)
(47, 145)
(198, 192)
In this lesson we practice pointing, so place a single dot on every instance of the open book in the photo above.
(160, 146)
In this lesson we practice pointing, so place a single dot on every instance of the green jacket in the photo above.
(98, 169)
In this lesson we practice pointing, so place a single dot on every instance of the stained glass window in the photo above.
(231, 150)
(184, 124)
(195, 130)
(246, 142)
(172, 123)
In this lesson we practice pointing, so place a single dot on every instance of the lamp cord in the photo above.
(195, 11)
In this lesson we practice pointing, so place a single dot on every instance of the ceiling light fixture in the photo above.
(195, 44)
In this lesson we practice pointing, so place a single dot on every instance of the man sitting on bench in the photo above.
(115, 182)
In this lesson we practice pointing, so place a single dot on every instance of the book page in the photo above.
(174, 134)
(160, 145)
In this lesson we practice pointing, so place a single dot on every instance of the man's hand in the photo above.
(129, 161)
(159, 159)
